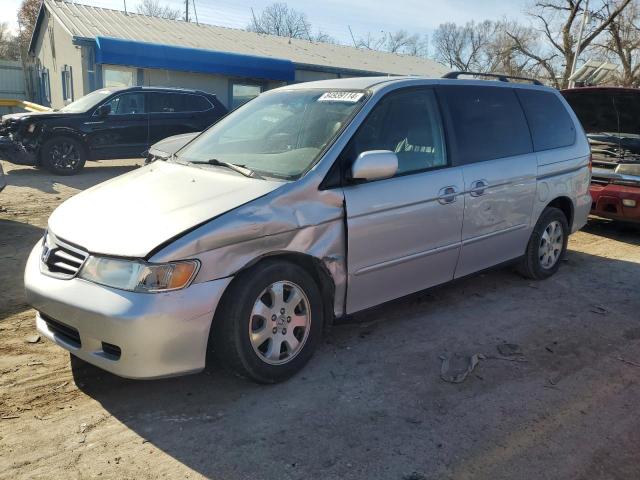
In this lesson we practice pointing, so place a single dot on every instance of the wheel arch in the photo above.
(314, 266)
(51, 134)
(565, 205)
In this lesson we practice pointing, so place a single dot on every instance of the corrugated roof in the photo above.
(90, 22)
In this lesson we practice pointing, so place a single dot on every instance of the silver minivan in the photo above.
(309, 203)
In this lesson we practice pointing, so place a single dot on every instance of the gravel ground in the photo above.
(370, 404)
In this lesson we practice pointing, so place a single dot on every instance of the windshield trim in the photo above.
(330, 142)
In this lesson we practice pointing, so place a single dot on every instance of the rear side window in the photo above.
(196, 103)
(485, 123)
(550, 124)
(177, 102)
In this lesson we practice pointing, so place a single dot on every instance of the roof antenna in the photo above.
(125, 7)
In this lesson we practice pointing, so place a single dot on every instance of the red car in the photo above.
(611, 118)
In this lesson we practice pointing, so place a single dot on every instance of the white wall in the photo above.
(53, 50)
(216, 84)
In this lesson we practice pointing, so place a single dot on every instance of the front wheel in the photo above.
(547, 245)
(269, 322)
(63, 156)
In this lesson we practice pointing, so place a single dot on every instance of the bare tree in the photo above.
(558, 22)
(462, 46)
(281, 20)
(622, 43)
(9, 44)
(400, 41)
(27, 16)
(278, 19)
(152, 8)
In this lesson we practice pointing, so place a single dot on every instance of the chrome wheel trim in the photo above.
(279, 323)
(551, 244)
(64, 155)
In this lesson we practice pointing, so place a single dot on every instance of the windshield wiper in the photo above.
(241, 169)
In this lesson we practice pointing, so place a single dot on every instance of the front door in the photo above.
(124, 132)
(403, 232)
(491, 142)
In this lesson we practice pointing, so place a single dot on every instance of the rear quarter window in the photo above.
(485, 123)
(550, 123)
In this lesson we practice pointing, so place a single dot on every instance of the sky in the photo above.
(334, 16)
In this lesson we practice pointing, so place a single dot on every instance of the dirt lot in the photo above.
(370, 405)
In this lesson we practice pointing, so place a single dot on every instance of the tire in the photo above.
(63, 156)
(542, 257)
(270, 354)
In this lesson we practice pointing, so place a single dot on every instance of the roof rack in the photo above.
(500, 76)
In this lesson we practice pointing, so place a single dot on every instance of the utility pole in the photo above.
(186, 10)
(585, 19)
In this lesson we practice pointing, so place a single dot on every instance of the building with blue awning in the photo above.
(77, 48)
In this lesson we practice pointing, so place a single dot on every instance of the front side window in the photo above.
(407, 123)
(279, 134)
(127, 104)
(486, 123)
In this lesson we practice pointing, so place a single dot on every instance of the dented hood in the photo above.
(134, 213)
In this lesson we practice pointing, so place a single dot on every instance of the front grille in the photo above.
(65, 332)
(60, 258)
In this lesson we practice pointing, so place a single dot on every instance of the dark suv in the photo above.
(109, 123)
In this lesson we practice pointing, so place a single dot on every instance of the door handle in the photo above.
(478, 187)
(447, 195)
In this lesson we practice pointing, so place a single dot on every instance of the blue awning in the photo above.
(115, 51)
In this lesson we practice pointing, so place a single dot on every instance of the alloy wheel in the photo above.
(280, 323)
(551, 244)
(64, 155)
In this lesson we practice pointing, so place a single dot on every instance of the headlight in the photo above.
(139, 276)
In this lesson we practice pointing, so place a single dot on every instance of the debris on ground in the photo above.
(628, 362)
(599, 309)
(32, 338)
(509, 349)
(455, 369)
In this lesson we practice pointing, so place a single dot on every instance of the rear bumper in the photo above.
(133, 335)
(607, 202)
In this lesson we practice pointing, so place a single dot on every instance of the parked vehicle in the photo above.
(110, 123)
(611, 118)
(310, 202)
(163, 149)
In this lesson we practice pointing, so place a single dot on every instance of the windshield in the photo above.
(87, 102)
(278, 134)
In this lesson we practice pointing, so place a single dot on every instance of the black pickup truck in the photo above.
(108, 123)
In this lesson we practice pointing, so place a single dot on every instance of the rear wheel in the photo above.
(547, 245)
(63, 156)
(269, 322)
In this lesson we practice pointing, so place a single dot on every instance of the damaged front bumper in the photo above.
(16, 145)
(615, 193)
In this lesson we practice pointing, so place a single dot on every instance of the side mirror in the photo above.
(103, 110)
(375, 165)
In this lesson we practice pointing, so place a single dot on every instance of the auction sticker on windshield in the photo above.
(351, 97)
